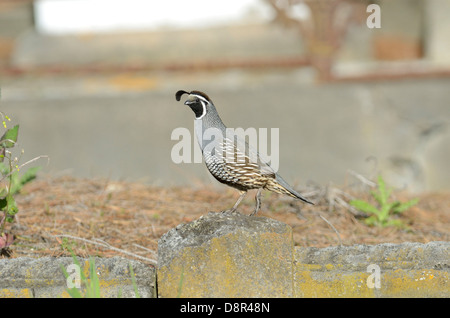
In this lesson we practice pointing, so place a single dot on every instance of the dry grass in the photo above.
(131, 217)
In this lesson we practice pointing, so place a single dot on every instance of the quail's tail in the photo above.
(280, 186)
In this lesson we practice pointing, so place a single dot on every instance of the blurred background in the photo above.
(92, 84)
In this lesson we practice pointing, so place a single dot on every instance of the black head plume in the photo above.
(198, 93)
(179, 94)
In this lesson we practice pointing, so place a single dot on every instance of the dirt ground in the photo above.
(99, 217)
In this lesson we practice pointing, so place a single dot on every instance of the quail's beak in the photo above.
(188, 102)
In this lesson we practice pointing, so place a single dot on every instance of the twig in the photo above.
(334, 196)
(350, 208)
(104, 244)
(311, 193)
(331, 225)
(362, 179)
(144, 248)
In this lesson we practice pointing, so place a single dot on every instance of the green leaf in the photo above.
(73, 292)
(18, 183)
(397, 223)
(4, 169)
(384, 213)
(11, 204)
(94, 285)
(384, 193)
(29, 175)
(376, 195)
(364, 206)
(133, 280)
(401, 207)
(15, 186)
(3, 204)
(9, 138)
(8, 204)
(371, 220)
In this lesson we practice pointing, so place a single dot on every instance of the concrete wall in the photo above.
(43, 277)
(94, 128)
(405, 270)
(234, 255)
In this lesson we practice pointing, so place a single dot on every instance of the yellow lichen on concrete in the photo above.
(31, 279)
(65, 294)
(415, 283)
(393, 283)
(16, 293)
(224, 267)
(310, 284)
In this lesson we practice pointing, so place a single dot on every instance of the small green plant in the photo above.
(7, 202)
(382, 215)
(10, 182)
(91, 283)
(18, 181)
(133, 281)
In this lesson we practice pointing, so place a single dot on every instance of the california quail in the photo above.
(229, 159)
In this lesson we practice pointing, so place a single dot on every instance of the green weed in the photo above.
(382, 214)
(10, 181)
(90, 286)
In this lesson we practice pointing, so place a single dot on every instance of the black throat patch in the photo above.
(197, 108)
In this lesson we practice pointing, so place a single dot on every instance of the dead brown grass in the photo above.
(133, 216)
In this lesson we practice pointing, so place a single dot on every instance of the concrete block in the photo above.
(404, 270)
(43, 277)
(226, 255)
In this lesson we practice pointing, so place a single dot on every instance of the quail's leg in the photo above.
(233, 209)
(258, 201)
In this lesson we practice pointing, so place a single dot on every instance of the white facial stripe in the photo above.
(204, 108)
(200, 97)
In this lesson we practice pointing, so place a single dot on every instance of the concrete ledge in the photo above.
(43, 277)
(234, 255)
(402, 270)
